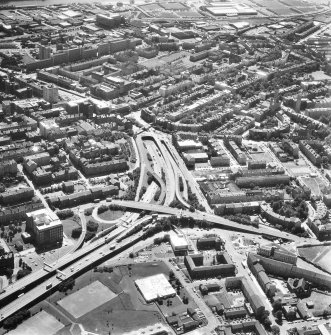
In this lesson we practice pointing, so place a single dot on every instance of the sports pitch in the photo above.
(86, 299)
(40, 324)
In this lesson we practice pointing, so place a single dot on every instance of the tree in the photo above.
(185, 300)
(277, 305)
(92, 226)
(275, 330)
(76, 232)
(66, 285)
(279, 316)
(8, 272)
(171, 275)
(266, 322)
(22, 273)
(102, 209)
(16, 319)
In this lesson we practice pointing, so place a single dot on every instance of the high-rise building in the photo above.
(45, 227)
(51, 93)
(44, 52)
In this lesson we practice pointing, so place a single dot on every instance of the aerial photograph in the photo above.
(165, 167)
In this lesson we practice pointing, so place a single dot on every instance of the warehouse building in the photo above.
(155, 287)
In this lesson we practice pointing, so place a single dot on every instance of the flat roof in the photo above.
(44, 219)
(178, 241)
(154, 287)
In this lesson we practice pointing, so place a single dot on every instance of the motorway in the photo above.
(100, 249)
(22, 285)
(217, 220)
(163, 153)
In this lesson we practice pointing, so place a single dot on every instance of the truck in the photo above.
(48, 286)
(112, 247)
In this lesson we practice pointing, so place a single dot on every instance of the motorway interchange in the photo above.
(166, 166)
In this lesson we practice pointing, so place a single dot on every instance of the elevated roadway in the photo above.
(26, 282)
(103, 249)
(217, 220)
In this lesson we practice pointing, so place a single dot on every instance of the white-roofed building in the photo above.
(45, 227)
(178, 242)
(155, 287)
(157, 329)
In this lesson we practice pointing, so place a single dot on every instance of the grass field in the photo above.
(128, 310)
(258, 156)
(86, 299)
(316, 185)
(40, 324)
(68, 226)
(321, 301)
(111, 304)
(111, 215)
(299, 169)
(319, 255)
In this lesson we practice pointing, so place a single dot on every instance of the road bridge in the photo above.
(216, 220)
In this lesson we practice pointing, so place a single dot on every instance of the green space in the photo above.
(319, 255)
(316, 185)
(297, 208)
(261, 156)
(68, 226)
(106, 299)
(86, 299)
(111, 215)
(12, 234)
(298, 167)
(321, 301)
(40, 324)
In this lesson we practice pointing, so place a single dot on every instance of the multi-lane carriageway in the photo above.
(77, 263)
(217, 220)
(29, 281)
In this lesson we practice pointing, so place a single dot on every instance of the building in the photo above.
(155, 287)
(254, 300)
(156, 329)
(263, 181)
(311, 154)
(209, 243)
(197, 270)
(51, 93)
(258, 271)
(8, 167)
(178, 242)
(253, 165)
(6, 261)
(321, 231)
(44, 52)
(278, 219)
(288, 270)
(109, 21)
(45, 227)
(278, 253)
(299, 286)
(13, 196)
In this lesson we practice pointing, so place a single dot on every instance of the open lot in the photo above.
(106, 299)
(86, 299)
(258, 156)
(316, 185)
(68, 226)
(321, 301)
(298, 168)
(318, 255)
(40, 324)
(111, 215)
